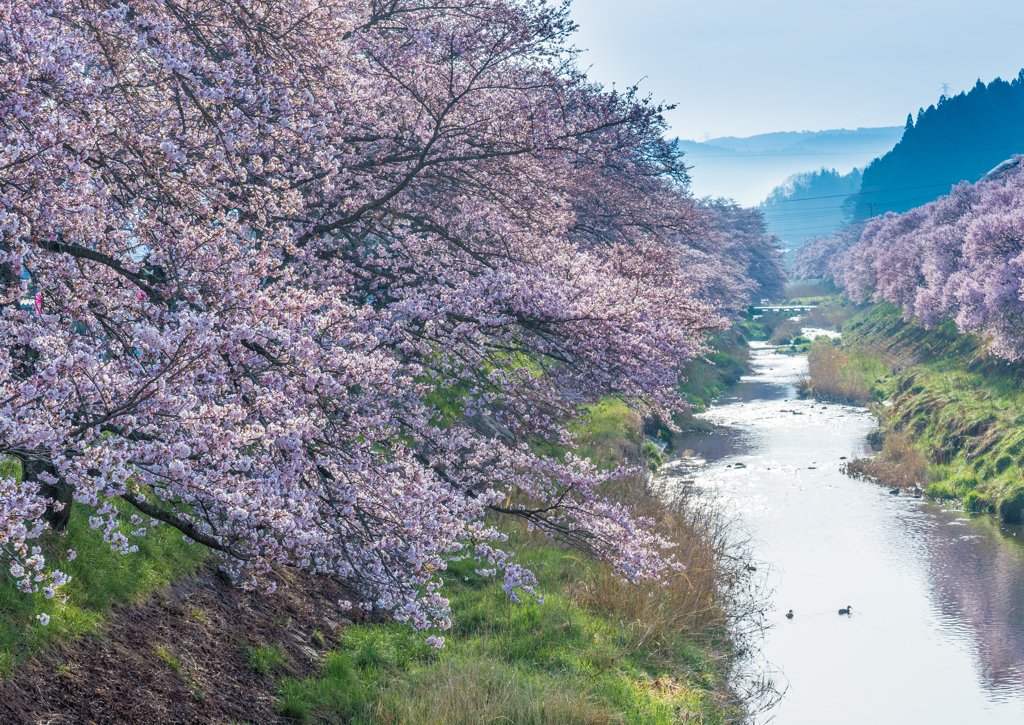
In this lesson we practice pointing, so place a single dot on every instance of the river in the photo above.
(937, 630)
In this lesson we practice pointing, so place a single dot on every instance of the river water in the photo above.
(937, 630)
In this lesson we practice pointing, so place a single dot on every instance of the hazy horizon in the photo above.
(743, 68)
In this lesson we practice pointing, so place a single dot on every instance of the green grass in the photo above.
(704, 379)
(100, 579)
(167, 658)
(525, 663)
(963, 409)
(266, 658)
(610, 432)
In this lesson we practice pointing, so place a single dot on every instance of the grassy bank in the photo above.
(704, 379)
(950, 414)
(596, 651)
(100, 580)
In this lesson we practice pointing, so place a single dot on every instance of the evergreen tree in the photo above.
(959, 139)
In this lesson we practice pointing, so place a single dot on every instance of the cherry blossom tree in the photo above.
(304, 279)
(958, 258)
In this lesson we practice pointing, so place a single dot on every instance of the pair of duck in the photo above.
(847, 610)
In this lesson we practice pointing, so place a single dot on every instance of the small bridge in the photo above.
(781, 308)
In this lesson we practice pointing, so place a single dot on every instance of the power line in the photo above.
(858, 193)
(746, 155)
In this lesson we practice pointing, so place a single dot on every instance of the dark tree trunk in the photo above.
(58, 493)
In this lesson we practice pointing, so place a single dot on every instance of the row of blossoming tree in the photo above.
(958, 258)
(307, 277)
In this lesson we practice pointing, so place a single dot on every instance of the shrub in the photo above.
(1011, 506)
(974, 501)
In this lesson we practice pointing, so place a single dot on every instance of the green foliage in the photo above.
(10, 468)
(954, 487)
(1011, 505)
(974, 501)
(266, 658)
(652, 454)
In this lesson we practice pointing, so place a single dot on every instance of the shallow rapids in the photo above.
(937, 630)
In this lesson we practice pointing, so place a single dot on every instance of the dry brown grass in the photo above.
(899, 465)
(696, 603)
(835, 376)
(784, 333)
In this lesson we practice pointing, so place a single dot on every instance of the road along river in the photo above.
(937, 630)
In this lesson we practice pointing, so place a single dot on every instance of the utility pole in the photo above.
(945, 89)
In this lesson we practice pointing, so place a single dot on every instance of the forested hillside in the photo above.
(809, 204)
(959, 139)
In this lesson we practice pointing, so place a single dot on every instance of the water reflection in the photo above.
(937, 634)
(977, 574)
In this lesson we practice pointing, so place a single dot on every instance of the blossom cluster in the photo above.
(958, 258)
(308, 278)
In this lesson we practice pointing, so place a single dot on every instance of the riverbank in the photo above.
(158, 638)
(950, 414)
(938, 585)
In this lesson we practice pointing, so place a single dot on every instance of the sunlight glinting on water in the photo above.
(937, 630)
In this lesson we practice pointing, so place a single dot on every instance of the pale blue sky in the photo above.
(743, 67)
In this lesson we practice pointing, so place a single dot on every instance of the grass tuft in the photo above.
(167, 658)
(266, 658)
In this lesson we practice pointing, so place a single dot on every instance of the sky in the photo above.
(744, 67)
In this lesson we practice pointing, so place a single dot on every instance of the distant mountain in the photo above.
(748, 169)
(809, 204)
(861, 140)
(959, 139)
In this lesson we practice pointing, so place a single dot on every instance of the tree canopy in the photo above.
(305, 279)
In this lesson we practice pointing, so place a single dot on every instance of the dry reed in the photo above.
(833, 377)
(899, 465)
(488, 691)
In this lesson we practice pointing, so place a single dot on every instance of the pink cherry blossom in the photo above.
(311, 279)
(958, 258)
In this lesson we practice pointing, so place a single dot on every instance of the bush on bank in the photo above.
(950, 413)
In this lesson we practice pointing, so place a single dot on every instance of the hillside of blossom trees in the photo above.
(303, 280)
(959, 258)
